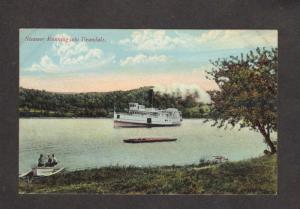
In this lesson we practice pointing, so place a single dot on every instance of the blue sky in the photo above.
(128, 58)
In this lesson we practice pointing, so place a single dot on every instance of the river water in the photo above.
(92, 143)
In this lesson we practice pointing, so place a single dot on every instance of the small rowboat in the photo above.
(42, 172)
(148, 140)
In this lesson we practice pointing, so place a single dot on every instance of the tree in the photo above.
(247, 94)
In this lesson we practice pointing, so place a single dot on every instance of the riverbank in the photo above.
(254, 176)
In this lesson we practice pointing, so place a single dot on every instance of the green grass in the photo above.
(254, 176)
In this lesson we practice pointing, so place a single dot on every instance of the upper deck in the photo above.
(135, 107)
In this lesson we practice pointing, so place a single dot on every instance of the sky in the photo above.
(101, 60)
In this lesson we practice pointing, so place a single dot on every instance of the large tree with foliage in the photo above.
(247, 94)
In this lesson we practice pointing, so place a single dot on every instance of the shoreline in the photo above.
(253, 176)
(91, 118)
(65, 118)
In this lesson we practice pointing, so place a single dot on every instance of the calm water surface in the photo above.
(91, 143)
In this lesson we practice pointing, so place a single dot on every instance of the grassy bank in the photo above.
(254, 176)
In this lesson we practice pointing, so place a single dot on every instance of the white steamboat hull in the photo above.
(139, 124)
(135, 121)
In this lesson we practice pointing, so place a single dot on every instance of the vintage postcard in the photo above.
(132, 111)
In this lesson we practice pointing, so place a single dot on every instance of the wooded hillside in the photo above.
(40, 103)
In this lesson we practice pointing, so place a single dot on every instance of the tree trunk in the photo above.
(270, 144)
(267, 138)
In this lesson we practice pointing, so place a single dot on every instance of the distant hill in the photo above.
(40, 103)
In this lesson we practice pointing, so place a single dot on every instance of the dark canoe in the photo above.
(148, 140)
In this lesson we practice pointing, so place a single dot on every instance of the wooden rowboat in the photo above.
(42, 172)
(148, 140)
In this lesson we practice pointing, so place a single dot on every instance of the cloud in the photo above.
(185, 89)
(71, 56)
(142, 59)
(46, 65)
(71, 53)
(151, 40)
(227, 39)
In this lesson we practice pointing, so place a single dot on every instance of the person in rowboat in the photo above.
(41, 161)
(54, 161)
(49, 162)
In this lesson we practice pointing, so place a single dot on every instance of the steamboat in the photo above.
(140, 116)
